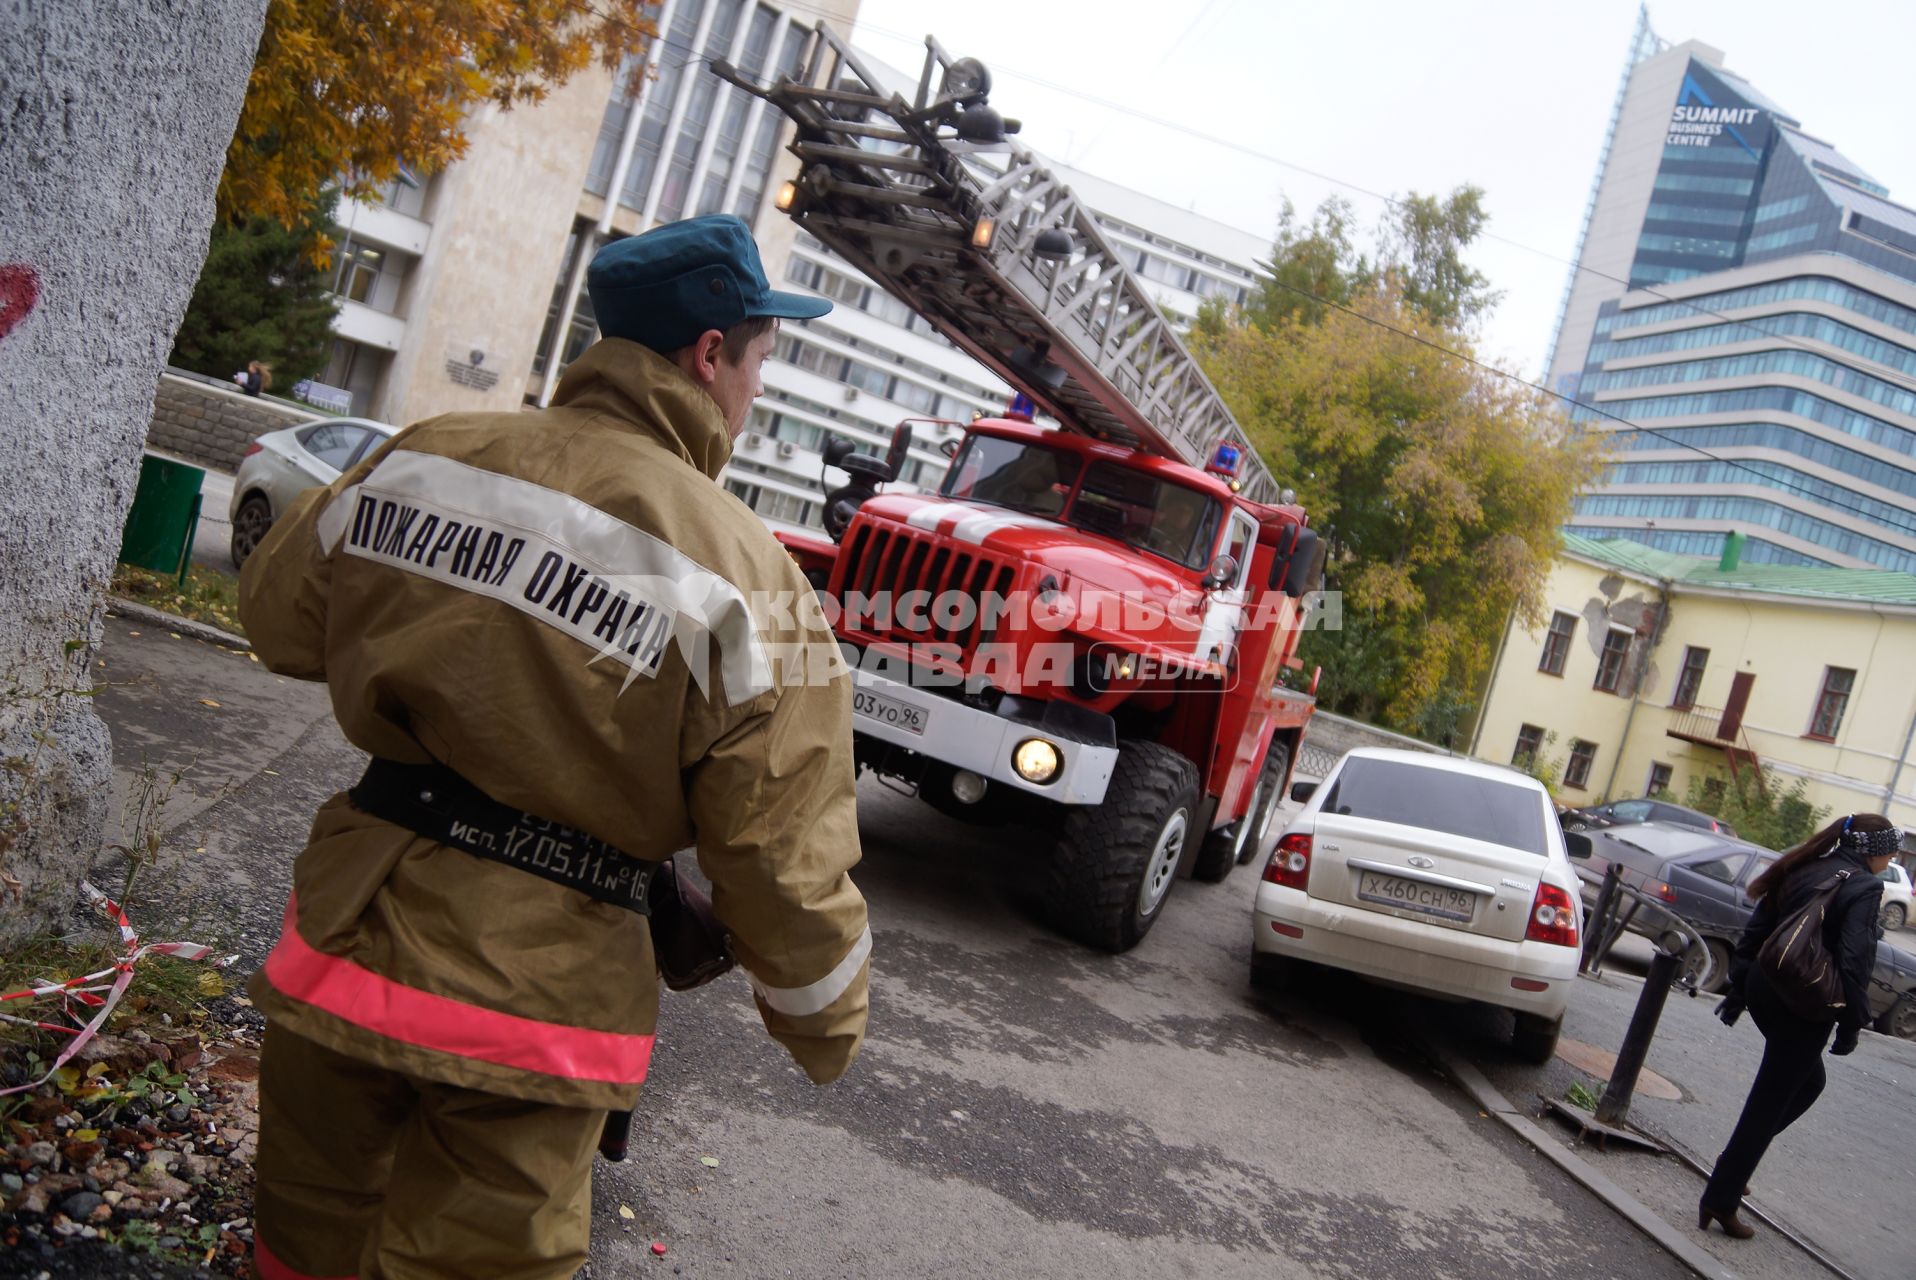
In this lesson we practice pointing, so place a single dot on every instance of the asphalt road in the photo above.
(1022, 1107)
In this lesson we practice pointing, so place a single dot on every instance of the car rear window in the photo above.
(1458, 804)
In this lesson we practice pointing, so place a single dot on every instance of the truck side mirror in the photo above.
(837, 449)
(1302, 791)
(900, 448)
(1306, 568)
(1576, 844)
(949, 448)
(1222, 572)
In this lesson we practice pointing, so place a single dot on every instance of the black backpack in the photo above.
(1799, 967)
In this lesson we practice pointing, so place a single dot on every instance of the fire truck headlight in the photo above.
(787, 194)
(1037, 760)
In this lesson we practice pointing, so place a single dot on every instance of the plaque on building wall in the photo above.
(467, 367)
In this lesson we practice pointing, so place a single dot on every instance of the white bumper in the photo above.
(1426, 957)
(969, 738)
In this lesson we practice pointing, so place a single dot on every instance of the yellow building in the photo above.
(1653, 668)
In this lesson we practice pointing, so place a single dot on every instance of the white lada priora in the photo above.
(1439, 875)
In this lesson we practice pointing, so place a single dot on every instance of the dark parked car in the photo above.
(1700, 875)
(1621, 812)
(1704, 879)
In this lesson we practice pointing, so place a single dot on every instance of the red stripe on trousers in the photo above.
(412, 1016)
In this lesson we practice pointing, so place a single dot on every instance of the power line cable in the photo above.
(1392, 202)
(1662, 434)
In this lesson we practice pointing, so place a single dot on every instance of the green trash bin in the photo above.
(165, 516)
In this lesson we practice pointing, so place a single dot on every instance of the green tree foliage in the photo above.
(1440, 485)
(1771, 815)
(260, 297)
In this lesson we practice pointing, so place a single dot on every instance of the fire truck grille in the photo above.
(964, 592)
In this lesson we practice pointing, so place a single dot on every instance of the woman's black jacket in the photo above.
(1849, 926)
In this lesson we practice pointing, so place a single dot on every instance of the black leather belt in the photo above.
(433, 801)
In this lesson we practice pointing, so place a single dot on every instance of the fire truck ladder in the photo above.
(1001, 258)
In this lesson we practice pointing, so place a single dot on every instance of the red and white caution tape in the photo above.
(93, 990)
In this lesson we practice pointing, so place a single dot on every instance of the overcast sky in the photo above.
(1391, 96)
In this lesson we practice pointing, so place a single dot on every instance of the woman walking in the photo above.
(1849, 853)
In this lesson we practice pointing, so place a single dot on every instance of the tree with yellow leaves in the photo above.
(1441, 484)
(345, 90)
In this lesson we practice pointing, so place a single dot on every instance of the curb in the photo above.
(152, 617)
(1672, 1240)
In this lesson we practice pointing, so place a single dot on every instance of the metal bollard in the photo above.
(1614, 1107)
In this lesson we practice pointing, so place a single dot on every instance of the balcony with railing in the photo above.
(1719, 728)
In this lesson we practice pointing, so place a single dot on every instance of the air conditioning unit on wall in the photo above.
(753, 440)
(786, 448)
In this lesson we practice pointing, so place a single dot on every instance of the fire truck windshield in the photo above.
(1116, 501)
(1155, 515)
(1008, 473)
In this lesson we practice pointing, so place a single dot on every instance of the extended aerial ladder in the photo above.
(1000, 258)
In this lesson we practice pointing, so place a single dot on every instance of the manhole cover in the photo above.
(1601, 1062)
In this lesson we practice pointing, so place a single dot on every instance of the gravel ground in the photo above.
(137, 1158)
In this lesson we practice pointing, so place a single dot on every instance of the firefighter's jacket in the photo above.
(565, 608)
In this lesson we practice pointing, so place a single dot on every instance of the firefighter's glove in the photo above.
(1845, 1042)
(1730, 1009)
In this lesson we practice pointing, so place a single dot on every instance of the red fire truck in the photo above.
(1086, 631)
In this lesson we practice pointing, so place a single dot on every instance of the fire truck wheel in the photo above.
(1277, 766)
(1115, 862)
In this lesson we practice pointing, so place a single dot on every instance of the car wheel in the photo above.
(1707, 968)
(1271, 972)
(1116, 861)
(1899, 1019)
(1895, 915)
(1534, 1039)
(250, 523)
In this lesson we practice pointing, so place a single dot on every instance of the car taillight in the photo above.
(251, 449)
(1290, 863)
(1661, 889)
(1553, 917)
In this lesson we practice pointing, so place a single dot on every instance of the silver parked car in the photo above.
(280, 465)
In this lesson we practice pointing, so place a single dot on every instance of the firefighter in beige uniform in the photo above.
(571, 653)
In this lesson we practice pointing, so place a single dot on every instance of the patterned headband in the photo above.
(1873, 844)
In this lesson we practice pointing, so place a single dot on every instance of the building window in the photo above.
(1690, 679)
(1616, 647)
(1529, 743)
(1832, 702)
(1582, 756)
(370, 275)
(1659, 784)
(1556, 645)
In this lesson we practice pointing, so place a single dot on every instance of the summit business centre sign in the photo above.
(1693, 126)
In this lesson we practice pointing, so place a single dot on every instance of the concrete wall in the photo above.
(500, 220)
(1327, 737)
(1785, 643)
(213, 425)
(117, 120)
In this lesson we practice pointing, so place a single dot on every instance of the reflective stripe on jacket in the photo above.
(565, 608)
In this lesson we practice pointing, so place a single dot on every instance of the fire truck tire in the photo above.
(1277, 766)
(1115, 861)
(1237, 844)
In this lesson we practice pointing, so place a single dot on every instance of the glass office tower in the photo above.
(1742, 324)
